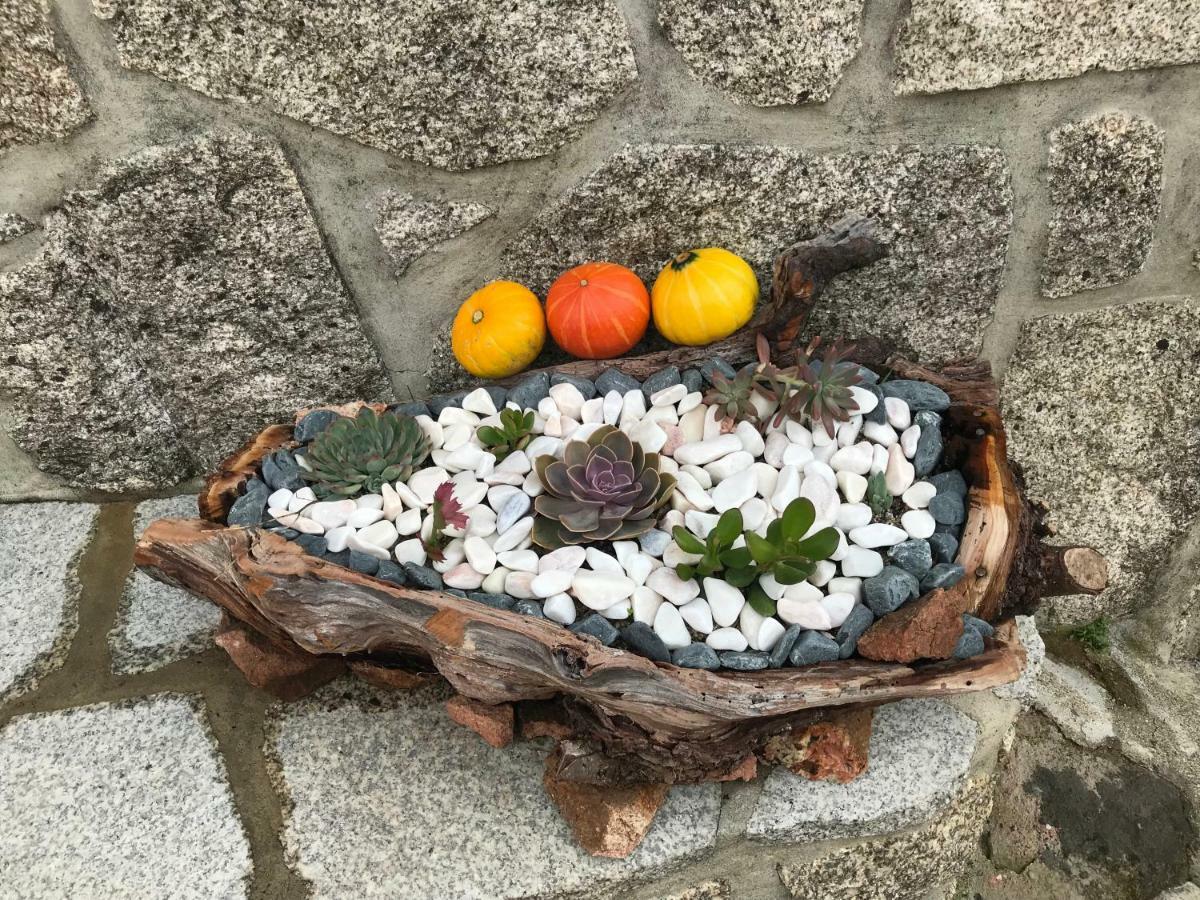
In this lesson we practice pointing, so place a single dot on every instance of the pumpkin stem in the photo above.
(477, 317)
(683, 259)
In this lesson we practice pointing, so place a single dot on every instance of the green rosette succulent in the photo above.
(360, 455)
(603, 489)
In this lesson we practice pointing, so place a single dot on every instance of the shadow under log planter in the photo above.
(624, 726)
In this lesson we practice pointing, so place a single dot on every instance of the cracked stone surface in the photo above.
(453, 84)
(919, 756)
(409, 226)
(1025, 688)
(1120, 388)
(1105, 178)
(118, 799)
(39, 100)
(950, 209)
(40, 545)
(13, 226)
(954, 45)
(1075, 702)
(386, 797)
(221, 314)
(158, 624)
(772, 52)
(909, 865)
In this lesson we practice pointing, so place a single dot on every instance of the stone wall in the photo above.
(211, 216)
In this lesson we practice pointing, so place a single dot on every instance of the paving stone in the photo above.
(1105, 177)
(950, 208)
(1024, 689)
(13, 226)
(954, 45)
(919, 755)
(454, 85)
(40, 546)
(388, 798)
(39, 99)
(1121, 387)
(1076, 703)
(230, 316)
(118, 799)
(772, 52)
(158, 624)
(408, 226)
(908, 866)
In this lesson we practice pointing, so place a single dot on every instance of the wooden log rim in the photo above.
(631, 720)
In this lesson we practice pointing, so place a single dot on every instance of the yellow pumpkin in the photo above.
(499, 330)
(702, 296)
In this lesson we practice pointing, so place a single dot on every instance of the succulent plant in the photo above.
(732, 396)
(603, 489)
(360, 455)
(878, 497)
(717, 553)
(513, 433)
(445, 511)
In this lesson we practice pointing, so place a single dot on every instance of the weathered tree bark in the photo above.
(801, 273)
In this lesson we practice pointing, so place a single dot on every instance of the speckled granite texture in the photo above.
(1105, 177)
(40, 547)
(13, 226)
(920, 752)
(221, 314)
(908, 866)
(771, 52)
(1101, 414)
(386, 797)
(409, 226)
(158, 624)
(951, 45)
(453, 84)
(39, 99)
(1024, 689)
(118, 799)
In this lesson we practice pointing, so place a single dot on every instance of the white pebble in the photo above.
(519, 585)
(908, 440)
(752, 441)
(620, 610)
(824, 499)
(568, 399)
(602, 562)
(454, 415)
(690, 402)
(361, 518)
(735, 490)
(853, 515)
(280, 499)
(433, 430)
(823, 571)
(774, 447)
(787, 488)
(919, 495)
(410, 551)
(750, 623)
(493, 583)
(356, 543)
(479, 401)
(463, 577)
(767, 477)
(727, 639)
(881, 433)
(900, 473)
(670, 627)
(724, 600)
(551, 582)
(798, 434)
(408, 522)
(848, 431)
(837, 606)
(846, 585)
(513, 509)
(567, 558)
(331, 513)
(877, 534)
(769, 633)
(592, 411)
(645, 604)
(703, 452)
(611, 408)
(729, 465)
(691, 491)
(771, 587)
(600, 590)
(425, 481)
(805, 613)
(649, 434)
(861, 563)
(515, 534)
(480, 555)
(519, 560)
(856, 459)
(866, 400)
(796, 455)
(899, 416)
(559, 608)
(481, 521)
(691, 424)
(918, 523)
(697, 614)
(754, 513)
(336, 539)
(880, 461)
(639, 567)
(392, 505)
(852, 485)
(672, 587)
(380, 534)
(668, 396)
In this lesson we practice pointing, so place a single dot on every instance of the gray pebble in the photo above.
(314, 544)
(496, 601)
(970, 643)
(390, 571)
(498, 394)
(879, 414)
(715, 364)
(616, 380)
(341, 558)
(247, 510)
(363, 562)
(644, 642)
(529, 608)
(280, 470)
(654, 542)
(943, 575)
(313, 424)
(663, 378)
(860, 619)
(696, 656)
(867, 376)
(423, 577)
(744, 660)
(919, 395)
(412, 408)
(814, 647)
(441, 401)
(890, 589)
(944, 547)
(951, 482)
(913, 556)
(457, 592)
(984, 628)
(927, 418)
(595, 625)
(929, 450)
(288, 534)
(585, 385)
(692, 380)
(531, 390)
(948, 509)
(783, 647)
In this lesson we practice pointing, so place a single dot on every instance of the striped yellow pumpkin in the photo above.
(702, 296)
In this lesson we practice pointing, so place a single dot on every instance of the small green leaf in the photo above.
(820, 546)
(798, 518)
(761, 549)
(740, 578)
(685, 572)
(791, 572)
(879, 498)
(760, 602)
(687, 541)
(775, 531)
(737, 558)
(489, 436)
(728, 527)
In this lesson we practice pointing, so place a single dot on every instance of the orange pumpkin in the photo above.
(499, 330)
(597, 310)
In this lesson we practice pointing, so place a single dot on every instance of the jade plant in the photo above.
(603, 489)
(514, 432)
(817, 390)
(787, 551)
(360, 455)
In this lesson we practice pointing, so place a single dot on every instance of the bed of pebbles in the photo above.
(627, 593)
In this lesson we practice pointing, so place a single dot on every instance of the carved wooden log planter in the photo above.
(619, 718)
